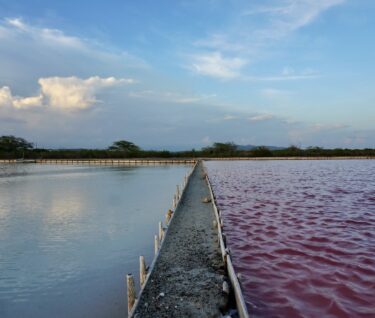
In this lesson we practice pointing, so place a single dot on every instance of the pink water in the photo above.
(301, 234)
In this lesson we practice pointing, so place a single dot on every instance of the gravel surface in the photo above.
(187, 279)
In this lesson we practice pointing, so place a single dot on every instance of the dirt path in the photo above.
(188, 276)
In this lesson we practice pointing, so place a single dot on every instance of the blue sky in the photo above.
(183, 74)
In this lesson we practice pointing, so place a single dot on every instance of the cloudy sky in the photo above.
(184, 73)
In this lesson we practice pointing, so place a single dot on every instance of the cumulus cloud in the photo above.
(5, 96)
(64, 93)
(216, 65)
(73, 92)
(8, 100)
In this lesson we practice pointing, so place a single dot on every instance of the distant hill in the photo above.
(250, 147)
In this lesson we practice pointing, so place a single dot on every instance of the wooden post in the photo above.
(214, 224)
(142, 270)
(156, 241)
(131, 291)
(225, 287)
(178, 192)
(168, 216)
(161, 231)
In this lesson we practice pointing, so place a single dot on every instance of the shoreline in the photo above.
(96, 161)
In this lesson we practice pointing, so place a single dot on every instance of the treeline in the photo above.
(15, 148)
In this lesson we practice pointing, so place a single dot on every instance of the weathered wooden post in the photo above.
(214, 224)
(168, 216)
(156, 241)
(131, 291)
(226, 287)
(178, 192)
(142, 270)
(161, 231)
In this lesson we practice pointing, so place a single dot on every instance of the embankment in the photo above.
(188, 275)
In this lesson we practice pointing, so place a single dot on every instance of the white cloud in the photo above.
(327, 127)
(302, 132)
(215, 65)
(8, 100)
(29, 51)
(230, 117)
(64, 93)
(173, 97)
(51, 37)
(75, 93)
(251, 41)
(287, 74)
(27, 102)
(274, 93)
(261, 117)
(291, 15)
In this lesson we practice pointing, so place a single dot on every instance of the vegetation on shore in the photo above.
(14, 148)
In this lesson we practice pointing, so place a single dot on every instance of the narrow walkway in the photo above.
(188, 276)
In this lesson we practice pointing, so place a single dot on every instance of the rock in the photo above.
(225, 287)
(206, 200)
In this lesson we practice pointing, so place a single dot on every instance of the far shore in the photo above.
(173, 160)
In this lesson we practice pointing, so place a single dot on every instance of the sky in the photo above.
(183, 74)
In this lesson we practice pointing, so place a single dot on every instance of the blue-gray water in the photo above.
(69, 235)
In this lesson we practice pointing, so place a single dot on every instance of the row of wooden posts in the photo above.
(144, 271)
(102, 161)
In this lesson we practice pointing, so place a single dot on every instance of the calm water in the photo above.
(69, 235)
(302, 234)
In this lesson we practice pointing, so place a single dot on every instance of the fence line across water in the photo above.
(101, 161)
(170, 161)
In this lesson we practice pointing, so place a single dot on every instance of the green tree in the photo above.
(261, 151)
(12, 144)
(125, 146)
(221, 149)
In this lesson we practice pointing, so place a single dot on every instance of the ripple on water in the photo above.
(301, 234)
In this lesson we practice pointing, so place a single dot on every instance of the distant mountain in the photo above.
(250, 147)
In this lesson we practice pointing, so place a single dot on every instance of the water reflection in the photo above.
(69, 234)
